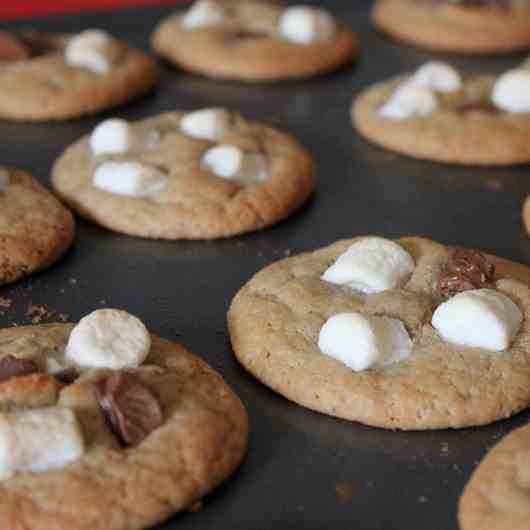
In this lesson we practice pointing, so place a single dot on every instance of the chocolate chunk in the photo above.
(66, 376)
(243, 35)
(478, 106)
(465, 270)
(131, 409)
(12, 49)
(11, 366)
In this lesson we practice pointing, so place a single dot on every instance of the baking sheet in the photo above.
(303, 470)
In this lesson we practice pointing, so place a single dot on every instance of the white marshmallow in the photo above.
(371, 265)
(361, 342)
(408, 101)
(438, 77)
(511, 91)
(203, 13)
(481, 318)
(111, 137)
(306, 25)
(38, 440)
(87, 50)
(205, 124)
(131, 179)
(229, 161)
(109, 338)
(4, 179)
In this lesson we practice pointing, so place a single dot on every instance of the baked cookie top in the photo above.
(58, 76)
(497, 497)
(254, 40)
(466, 26)
(199, 175)
(436, 114)
(387, 316)
(119, 448)
(35, 228)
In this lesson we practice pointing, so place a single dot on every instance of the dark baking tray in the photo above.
(303, 470)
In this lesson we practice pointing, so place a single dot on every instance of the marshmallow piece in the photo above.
(371, 265)
(205, 124)
(38, 440)
(203, 13)
(511, 91)
(361, 342)
(438, 77)
(229, 161)
(111, 137)
(480, 318)
(86, 50)
(408, 101)
(306, 25)
(109, 338)
(131, 179)
(4, 179)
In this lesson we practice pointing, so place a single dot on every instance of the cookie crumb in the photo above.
(287, 252)
(5, 303)
(494, 185)
(346, 491)
(38, 314)
(73, 281)
(422, 499)
(444, 449)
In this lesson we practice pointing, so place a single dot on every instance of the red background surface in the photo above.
(24, 8)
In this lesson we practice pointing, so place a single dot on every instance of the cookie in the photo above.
(497, 496)
(254, 41)
(57, 76)
(462, 26)
(434, 114)
(400, 335)
(198, 175)
(109, 449)
(35, 228)
(526, 214)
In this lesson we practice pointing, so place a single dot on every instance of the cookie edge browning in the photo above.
(476, 509)
(279, 206)
(217, 463)
(136, 80)
(403, 136)
(386, 420)
(222, 66)
(56, 247)
(387, 17)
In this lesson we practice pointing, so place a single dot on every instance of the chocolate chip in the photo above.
(66, 376)
(478, 106)
(12, 49)
(131, 409)
(11, 366)
(243, 35)
(465, 270)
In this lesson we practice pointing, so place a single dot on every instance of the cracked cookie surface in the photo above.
(465, 129)
(497, 496)
(35, 228)
(447, 26)
(275, 320)
(246, 47)
(195, 204)
(200, 443)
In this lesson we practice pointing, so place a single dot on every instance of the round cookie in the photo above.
(245, 44)
(49, 78)
(194, 203)
(275, 321)
(112, 486)
(465, 128)
(35, 228)
(497, 496)
(488, 26)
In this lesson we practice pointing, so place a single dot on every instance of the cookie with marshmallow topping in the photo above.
(203, 174)
(436, 113)
(61, 76)
(255, 40)
(35, 228)
(405, 334)
(461, 26)
(139, 406)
